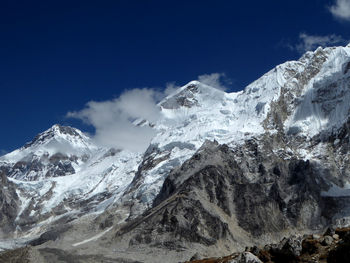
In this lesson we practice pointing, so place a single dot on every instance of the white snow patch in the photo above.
(92, 238)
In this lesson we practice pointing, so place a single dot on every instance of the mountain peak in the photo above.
(190, 95)
(57, 151)
(59, 129)
(196, 86)
(56, 131)
(287, 133)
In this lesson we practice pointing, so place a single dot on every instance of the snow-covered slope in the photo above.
(305, 97)
(56, 152)
(324, 102)
(57, 139)
(62, 172)
(99, 182)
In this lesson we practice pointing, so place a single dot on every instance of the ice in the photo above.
(324, 104)
(190, 116)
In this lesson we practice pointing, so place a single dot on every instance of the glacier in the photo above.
(63, 168)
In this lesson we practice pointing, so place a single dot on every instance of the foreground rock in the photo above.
(294, 250)
(224, 171)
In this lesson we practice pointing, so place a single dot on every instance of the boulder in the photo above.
(335, 236)
(327, 241)
(246, 257)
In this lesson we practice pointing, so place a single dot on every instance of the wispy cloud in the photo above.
(3, 152)
(114, 120)
(215, 80)
(311, 42)
(341, 9)
(170, 88)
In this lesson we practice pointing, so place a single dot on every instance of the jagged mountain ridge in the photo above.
(297, 114)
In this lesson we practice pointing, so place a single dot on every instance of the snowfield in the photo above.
(190, 116)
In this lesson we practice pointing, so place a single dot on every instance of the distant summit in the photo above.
(190, 95)
(55, 131)
(224, 171)
(54, 152)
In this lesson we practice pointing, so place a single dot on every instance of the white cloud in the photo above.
(341, 9)
(113, 119)
(170, 88)
(311, 42)
(214, 80)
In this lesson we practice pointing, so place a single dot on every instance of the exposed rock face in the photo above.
(185, 98)
(9, 206)
(295, 249)
(224, 171)
(218, 191)
(51, 166)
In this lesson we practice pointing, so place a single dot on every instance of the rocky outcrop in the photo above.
(185, 98)
(224, 171)
(236, 196)
(295, 249)
(35, 167)
(245, 257)
(9, 206)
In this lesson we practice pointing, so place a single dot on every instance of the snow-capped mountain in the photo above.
(305, 98)
(224, 170)
(58, 151)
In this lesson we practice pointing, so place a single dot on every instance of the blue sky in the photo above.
(56, 56)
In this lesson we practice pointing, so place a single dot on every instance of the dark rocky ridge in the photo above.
(55, 165)
(223, 198)
(331, 247)
(221, 190)
(9, 206)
